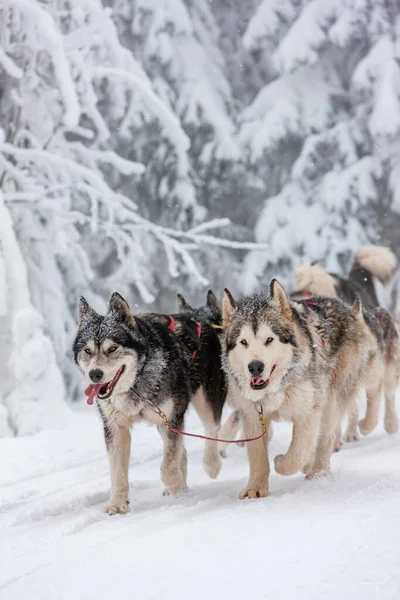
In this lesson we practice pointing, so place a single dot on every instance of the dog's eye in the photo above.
(244, 343)
(112, 349)
(87, 351)
(269, 340)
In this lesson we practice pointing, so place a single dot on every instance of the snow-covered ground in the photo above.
(328, 539)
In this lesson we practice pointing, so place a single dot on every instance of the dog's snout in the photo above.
(256, 367)
(96, 375)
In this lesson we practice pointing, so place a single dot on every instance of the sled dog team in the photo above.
(303, 357)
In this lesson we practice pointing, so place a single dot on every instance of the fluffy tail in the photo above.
(314, 279)
(378, 260)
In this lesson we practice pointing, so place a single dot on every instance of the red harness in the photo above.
(171, 327)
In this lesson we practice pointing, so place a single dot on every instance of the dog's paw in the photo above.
(366, 427)
(212, 466)
(337, 446)
(120, 508)
(174, 491)
(223, 453)
(317, 473)
(257, 491)
(391, 424)
(351, 436)
(285, 465)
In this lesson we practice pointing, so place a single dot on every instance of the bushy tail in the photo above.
(378, 260)
(314, 279)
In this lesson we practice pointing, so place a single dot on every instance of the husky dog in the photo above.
(210, 372)
(370, 262)
(301, 361)
(136, 363)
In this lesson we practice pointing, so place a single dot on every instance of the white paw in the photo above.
(351, 436)
(256, 491)
(317, 473)
(391, 424)
(212, 466)
(366, 427)
(120, 508)
(175, 490)
(286, 466)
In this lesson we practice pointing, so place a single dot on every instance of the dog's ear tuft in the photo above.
(183, 306)
(84, 311)
(213, 304)
(356, 309)
(279, 298)
(228, 306)
(119, 308)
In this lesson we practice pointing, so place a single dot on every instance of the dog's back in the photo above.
(370, 262)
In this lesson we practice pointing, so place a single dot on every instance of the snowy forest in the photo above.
(159, 146)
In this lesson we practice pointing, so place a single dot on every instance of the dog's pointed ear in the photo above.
(279, 298)
(183, 306)
(84, 311)
(119, 308)
(213, 304)
(356, 309)
(228, 306)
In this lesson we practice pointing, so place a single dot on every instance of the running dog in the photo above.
(371, 262)
(302, 361)
(137, 365)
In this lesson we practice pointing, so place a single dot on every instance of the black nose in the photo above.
(96, 375)
(256, 367)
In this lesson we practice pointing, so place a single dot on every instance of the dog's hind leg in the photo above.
(330, 422)
(370, 421)
(174, 464)
(211, 461)
(229, 430)
(257, 451)
(351, 434)
(304, 439)
(118, 441)
(391, 381)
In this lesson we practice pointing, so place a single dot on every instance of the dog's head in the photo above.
(259, 340)
(108, 348)
(210, 313)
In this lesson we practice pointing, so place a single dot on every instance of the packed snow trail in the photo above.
(331, 538)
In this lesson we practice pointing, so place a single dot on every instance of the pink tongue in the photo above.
(257, 381)
(92, 391)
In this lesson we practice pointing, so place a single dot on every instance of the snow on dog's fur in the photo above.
(131, 361)
(301, 361)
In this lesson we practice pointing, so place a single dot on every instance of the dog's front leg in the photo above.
(304, 439)
(257, 452)
(174, 464)
(118, 441)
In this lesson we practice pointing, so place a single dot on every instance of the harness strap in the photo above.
(160, 413)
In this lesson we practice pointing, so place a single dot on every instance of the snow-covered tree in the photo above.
(83, 130)
(326, 130)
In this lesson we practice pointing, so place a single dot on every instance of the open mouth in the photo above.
(260, 384)
(103, 390)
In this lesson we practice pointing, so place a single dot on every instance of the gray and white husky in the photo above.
(134, 364)
(300, 361)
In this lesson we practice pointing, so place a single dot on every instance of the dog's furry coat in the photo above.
(371, 262)
(315, 356)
